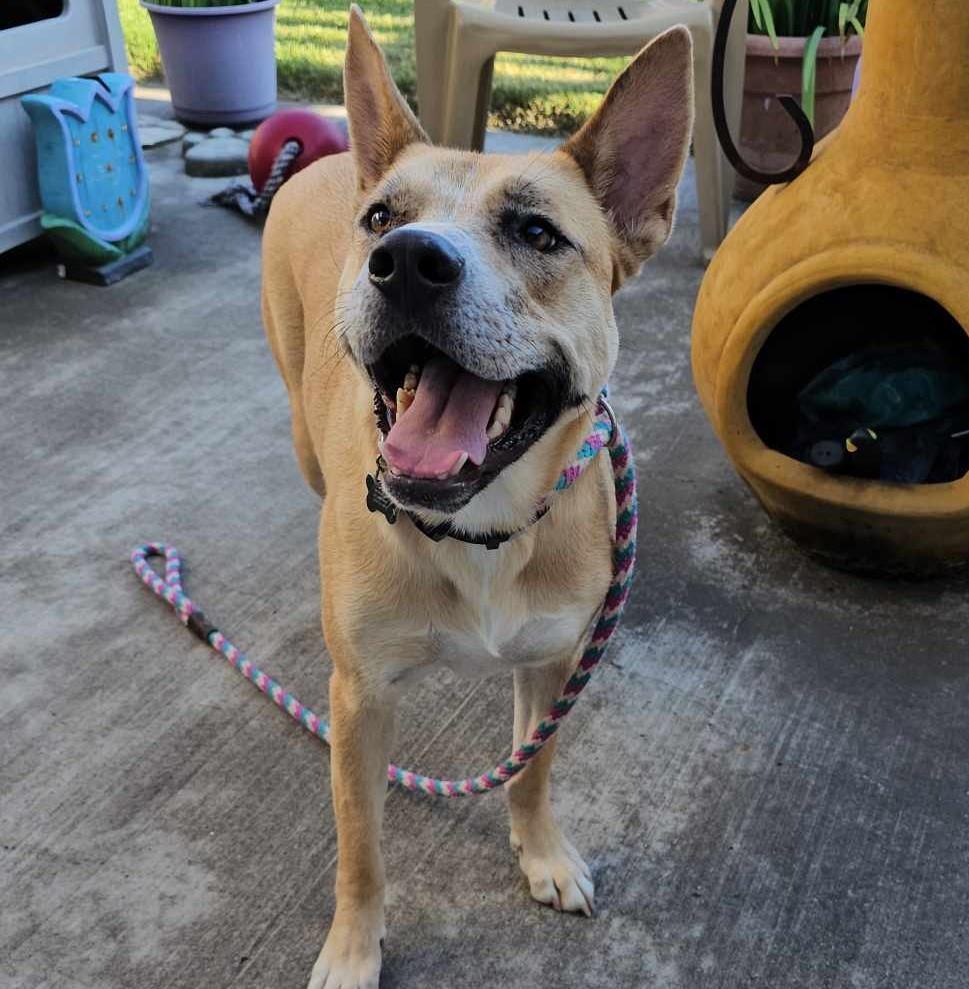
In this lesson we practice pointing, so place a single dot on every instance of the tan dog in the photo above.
(472, 294)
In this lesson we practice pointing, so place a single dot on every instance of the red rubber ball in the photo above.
(318, 136)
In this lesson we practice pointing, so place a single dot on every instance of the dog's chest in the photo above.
(494, 627)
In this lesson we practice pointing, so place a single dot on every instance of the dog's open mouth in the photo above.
(446, 431)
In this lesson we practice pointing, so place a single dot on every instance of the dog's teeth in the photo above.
(394, 471)
(501, 417)
(510, 388)
(405, 394)
(412, 377)
(458, 464)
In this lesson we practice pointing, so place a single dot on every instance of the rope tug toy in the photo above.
(282, 145)
(607, 434)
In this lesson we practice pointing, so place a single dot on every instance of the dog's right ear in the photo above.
(380, 121)
(633, 148)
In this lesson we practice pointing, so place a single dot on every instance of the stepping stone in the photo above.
(222, 132)
(218, 156)
(154, 131)
(192, 138)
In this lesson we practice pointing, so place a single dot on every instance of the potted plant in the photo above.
(218, 57)
(808, 48)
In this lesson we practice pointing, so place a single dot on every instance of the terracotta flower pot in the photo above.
(768, 139)
(871, 241)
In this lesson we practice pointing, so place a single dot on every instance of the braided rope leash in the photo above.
(607, 434)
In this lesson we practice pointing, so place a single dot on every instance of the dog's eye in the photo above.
(538, 234)
(379, 218)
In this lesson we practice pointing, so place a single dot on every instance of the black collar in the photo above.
(377, 501)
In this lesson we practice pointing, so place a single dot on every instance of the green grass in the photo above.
(799, 18)
(542, 95)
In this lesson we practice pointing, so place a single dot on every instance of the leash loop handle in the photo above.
(608, 435)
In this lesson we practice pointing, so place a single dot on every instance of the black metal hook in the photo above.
(790, 104)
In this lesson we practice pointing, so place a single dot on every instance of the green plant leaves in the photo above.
(799, 18)
(809, 72)
(763, 16)
(851, 13)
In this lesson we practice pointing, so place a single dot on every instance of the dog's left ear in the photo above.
(634, 147)
(380, 121)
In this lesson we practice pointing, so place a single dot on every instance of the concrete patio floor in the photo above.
(769, 778)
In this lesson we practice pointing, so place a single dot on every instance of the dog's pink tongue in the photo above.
(448, 417)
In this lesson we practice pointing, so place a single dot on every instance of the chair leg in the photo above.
(468, 86)
(713, 207)
(432, 19)
(483, 105)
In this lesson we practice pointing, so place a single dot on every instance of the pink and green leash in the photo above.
(607, 434)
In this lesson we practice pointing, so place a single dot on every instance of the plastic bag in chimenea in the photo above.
(888, 413)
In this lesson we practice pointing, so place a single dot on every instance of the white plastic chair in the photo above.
(457, 41)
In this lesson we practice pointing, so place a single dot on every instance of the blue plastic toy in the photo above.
(93, 180)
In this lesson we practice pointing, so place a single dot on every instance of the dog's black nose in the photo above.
(414, 267)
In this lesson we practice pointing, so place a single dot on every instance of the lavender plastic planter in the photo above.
(219, 61)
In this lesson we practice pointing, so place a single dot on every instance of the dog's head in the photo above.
(477, 291)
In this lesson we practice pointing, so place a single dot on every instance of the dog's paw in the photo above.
(555, 871)
(350, 959)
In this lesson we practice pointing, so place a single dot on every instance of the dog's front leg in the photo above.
(556, 873)
(361, 736)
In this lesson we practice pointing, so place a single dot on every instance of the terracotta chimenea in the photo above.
(869, 244)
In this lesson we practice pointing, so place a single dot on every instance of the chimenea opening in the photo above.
(867, 381)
